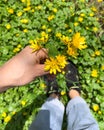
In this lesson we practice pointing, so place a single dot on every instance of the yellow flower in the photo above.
(72, 51)
(95, 107)
(4, 114)
(70, 30)
(39, 7)
(82, 0)
(78, 41)
(7, 119)
(23, 1)
(27, 9)
(99, 112)
(43, 85)
(25, 30)
(95, 29)
(102, 67)
(80, 19)
(97, 53)
(100, 1)
(52, 65)
(58, 35)
(87, 28)
(32, 10)
(35, 47)
(63, 93)
(16, 50)
(14, 112)
(76, 24)
(61, 60)
(19, 14)
(11, 11)
(31, 41)
(17, 35)
(50, 17)
(19, 46)
(54, 10)
(82, 14)
(94, 9)
(8, 26)
(91, 14)
(94, 73)
(49, 30)
(24, 21)
(23, 103)
(66, 39)
(44, 27)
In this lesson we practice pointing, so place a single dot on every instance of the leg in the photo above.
(50, 117)
(79, 116)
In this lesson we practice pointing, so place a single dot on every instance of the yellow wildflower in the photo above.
(61, 60)
(4, 114)
(63, 93)
(94, 9)
(7, 119)
(16, 50)
(25, 30)
(31, 41)
(87, 28)
(23, 1)
(44, 27)
(14, 112)
(97, 53)
(23, 103)
(27, 9)
(11, 11)
(78, 41)
(58, 35)
(72, 51)
(19, 14)
(99, 1)
(99, 112)
(66, 39)
(82, 14)
(39, 7)
(91, 14)
(19, 46)
(17, 35)
(95, 29)
(35, 47)
(43, 85)
(94, 73)
(54, 10)
(32, 10)
(82, 0)
(102, 67)
(95, 107)
(76, 24)
(80, 19)
(8, 26)
(49, 30)
(52, 65)
(24, 21)
(70, 30)
(50, 17)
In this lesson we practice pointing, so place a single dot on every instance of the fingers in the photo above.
(42, 55)
(39, 70)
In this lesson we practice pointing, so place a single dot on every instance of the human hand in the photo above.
(22, 68)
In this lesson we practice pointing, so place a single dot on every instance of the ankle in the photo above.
(73, 93)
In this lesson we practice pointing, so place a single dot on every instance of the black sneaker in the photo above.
(72, 77)
(51, 83)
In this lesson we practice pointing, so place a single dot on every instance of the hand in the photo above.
(22, 68)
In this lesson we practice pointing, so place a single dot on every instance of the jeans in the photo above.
(51, 115)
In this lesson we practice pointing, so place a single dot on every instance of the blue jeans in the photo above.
(51, 114)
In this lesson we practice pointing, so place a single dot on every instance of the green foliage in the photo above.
(23, 21)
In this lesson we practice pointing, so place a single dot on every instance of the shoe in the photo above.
(51, 83)
(72, 77)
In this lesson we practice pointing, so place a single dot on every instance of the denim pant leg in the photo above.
(56, 109)
(79, 116)
(50, 117)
